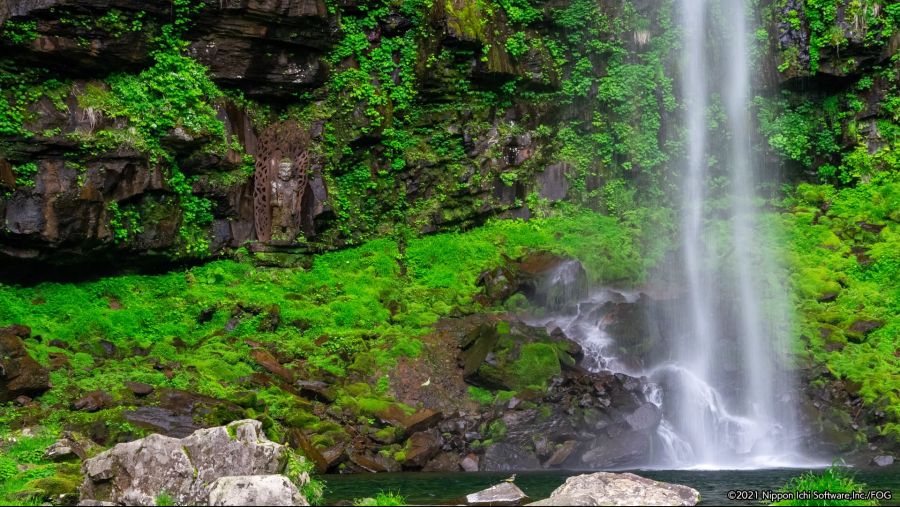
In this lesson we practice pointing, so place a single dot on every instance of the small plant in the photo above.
(517, 45)
(833, 480)
(480, 395)
(20, 32)
(299, 470)
(164, 499)
(382, 498)
(25, 174)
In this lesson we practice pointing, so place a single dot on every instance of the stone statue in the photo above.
(282, 166)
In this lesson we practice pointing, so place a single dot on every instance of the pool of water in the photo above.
(451, 488)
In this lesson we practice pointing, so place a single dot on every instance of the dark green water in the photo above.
(450, 488)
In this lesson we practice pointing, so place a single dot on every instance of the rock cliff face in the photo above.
(425, 115)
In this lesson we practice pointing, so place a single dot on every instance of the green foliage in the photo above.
(176, 93)
(834, 479)
(164, 499)
(520, 11)
(19, 32)
(25, 174)
(300, 471)
(536, 365)
(20, 88)
(836, 252)
(349, 313)
(22, 461)
(383, 498)
(480, 395)
(517, 44)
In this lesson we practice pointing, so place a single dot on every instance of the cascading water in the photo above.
(716, 375)
(728, 417)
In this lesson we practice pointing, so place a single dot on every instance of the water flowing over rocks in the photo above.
(135, 473)
(604, 488)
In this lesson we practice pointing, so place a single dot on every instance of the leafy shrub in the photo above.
(382, 498)
(833, 480)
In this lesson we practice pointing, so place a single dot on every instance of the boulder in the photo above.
(422, 420)
(93, 401)
(134, 473)
(627, 449)
(646, 417)
(20, 374)
(421, 447)
(139, 388)
(175, 413)
(70, 446)
(605, 488)
(443, 462)
(255, 490)
(505, 493)
(561, 454)
(503, 457)
(883, 461)
(469, 463)
(552, 281)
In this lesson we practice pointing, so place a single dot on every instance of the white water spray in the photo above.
(730, 418)
(726, 402)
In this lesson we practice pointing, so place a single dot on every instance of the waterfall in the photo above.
(737, 416)
(713, 362)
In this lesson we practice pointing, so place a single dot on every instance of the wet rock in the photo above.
(20, 374)
(504, 457)
(298, 440)
(469, 463)
(374, 463)
(498, 284)
(268, 361)
(551, 281)
(647, 417)
(861, 328)
(270, 321)
(134, 473)
(255, 490)
(109, 348)
(627, 449)
(70, 446)
(93, 401)
(17, 330)
(59, 344)
(883, 461)
(553, 183)
(561, 454)
(421, 447)
(505, 493)
(180, 413)
(422, 420)
(315, 390)
(139, 388)
(443, 462)
(604, 488)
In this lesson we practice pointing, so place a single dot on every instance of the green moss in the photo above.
(824, 263)
(537, 363)
(480, 395)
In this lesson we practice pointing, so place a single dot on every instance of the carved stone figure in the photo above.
(282, 166)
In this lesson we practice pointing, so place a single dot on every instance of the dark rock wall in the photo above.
(434, 116)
